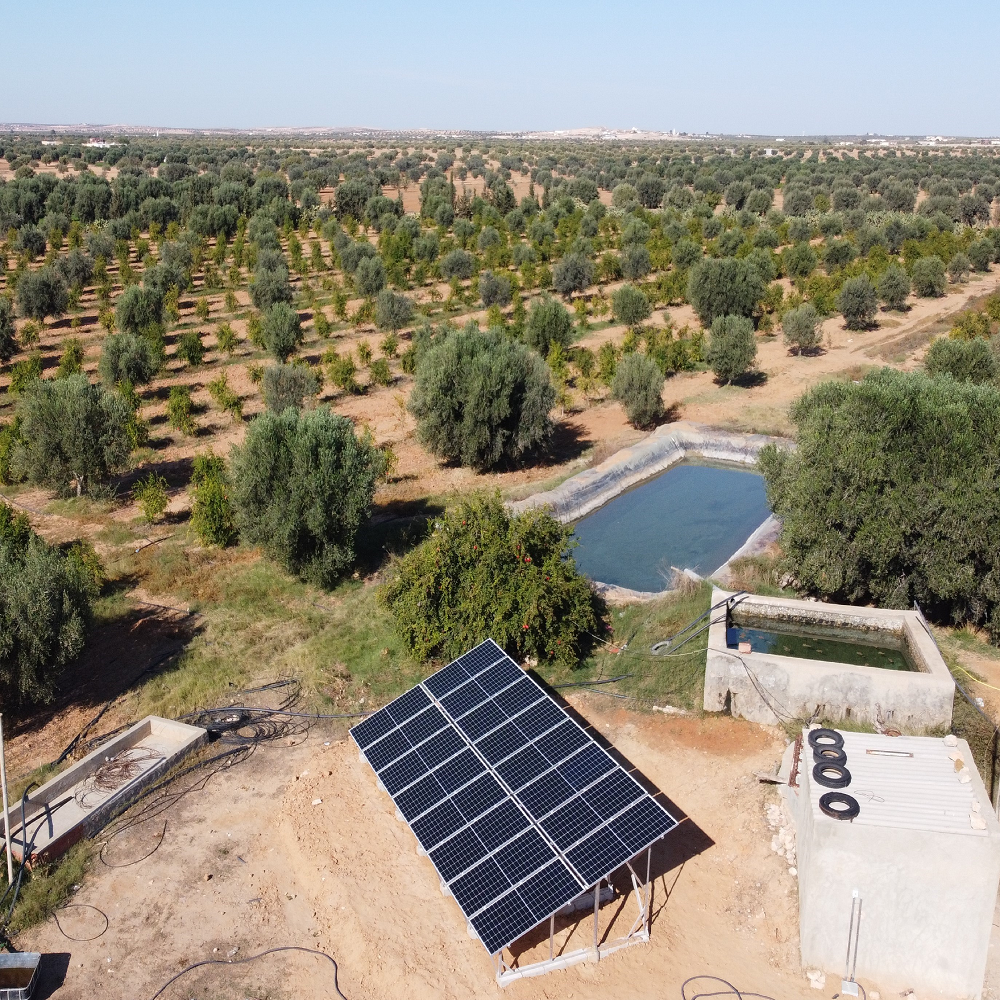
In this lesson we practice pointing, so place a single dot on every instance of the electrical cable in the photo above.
(87, 906)
(730, 990)
(252, 958)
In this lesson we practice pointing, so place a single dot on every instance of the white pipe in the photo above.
(6, 811)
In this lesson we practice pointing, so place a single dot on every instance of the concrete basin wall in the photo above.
(769, 688)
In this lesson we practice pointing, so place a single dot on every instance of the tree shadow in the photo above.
(750, 380)
(392, 530)
(567, 443)
(807, 352)
(176, 473)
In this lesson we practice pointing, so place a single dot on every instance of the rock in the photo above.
(817, 978)
(208, 878)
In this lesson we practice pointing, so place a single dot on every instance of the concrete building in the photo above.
(923, 854)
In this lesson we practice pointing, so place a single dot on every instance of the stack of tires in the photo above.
(830, 771)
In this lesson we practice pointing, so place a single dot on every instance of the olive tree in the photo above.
(137, 309)
(392, 311)
(571, 274)
(724, 287)
(458, 264)
(893, 287)
(638, 386)
(965, 360)
(8, 333)
(630, 306)
(287, 385)
(732, 348)
(801, 328)
(858, 302)
(128, 358)
(928, 277)
(369, 278)
(494, 289)
(282, 330)
(548, 323)
(42, 293)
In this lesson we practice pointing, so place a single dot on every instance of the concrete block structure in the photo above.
(923, 854)
(770, 688)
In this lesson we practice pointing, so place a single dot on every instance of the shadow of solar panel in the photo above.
(373, 728)
(517, 698)
(501, 743)
(439, 748)
(407, 705)
(502, 922)
(482, 656)
(388, 749)
(457, 854)
(403, 772)
(502, 675)
(539, 719)
(585, 767)
(437, 825)
(642, 824)
(463, 699)
(546, 793)
(424, 725)
(598, 855)
(562, 742)
(459, 771)
(481, 795)
(479, 722)
(480, 886)
(499, 825)
(548, 890)
(524, 766)
(571, 823)
(420, 797)
(446, 679)
(612, 794)
(523, 856)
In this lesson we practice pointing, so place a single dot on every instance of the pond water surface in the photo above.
(693, 516)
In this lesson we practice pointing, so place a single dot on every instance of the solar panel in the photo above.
(517, 806)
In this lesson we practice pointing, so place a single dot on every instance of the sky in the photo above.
(731, 66)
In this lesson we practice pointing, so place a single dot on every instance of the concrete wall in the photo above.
(799, 688)
(927, 898)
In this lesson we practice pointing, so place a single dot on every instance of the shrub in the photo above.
(342, 371)
(302, 485)
(42, 293)
(889, 497)
(151, 496)
(380, 373)
(549, 322)
(227, 339)
(369, 277)
(959, 267)
(858, 302)
(724, 287)
(630, 306)
(127, 358)
(481, 399)
(24, 372)
(190, 348)
(458, 264)
(389, 345)
(965, 360)
(928, 277)
(180, 409)
(894, 286)
(483, 571)
(212, 515)
(638, 386)
(45, 609)
(71, 361)
(8, 334)
(801, 328)
(282, 330)
(70, 430)
(573, 273)
(732, 349)
(494, 289)
(224, 397)
(392, 311)
(288, 385)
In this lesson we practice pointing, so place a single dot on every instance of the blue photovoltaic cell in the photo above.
(517, 806)
(463, 699)
(457, 854)
(459, 771)
(569, 824)
(477, 888)
(523, 767)
(479, 722)
(505, 673)
(426, 724)
(502, 922)
(586, 767)
(517, 698)
(501, 743)
(407, 705)
(373, 728)
(446, 679)
(525, 855)
(481, 795)
(539, 718)
(548, 889)
(437, 825)
(600, 853)
(404, 772)
(562, 742)
(546, 793)
(387, 749)
(500, 825)
(439, 748)
(420, 797)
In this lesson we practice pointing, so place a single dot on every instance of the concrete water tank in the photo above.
(923, 854)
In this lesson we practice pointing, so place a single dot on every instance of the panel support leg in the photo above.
(552, 935)
(597, 903)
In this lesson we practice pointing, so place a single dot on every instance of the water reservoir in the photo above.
(693, 516)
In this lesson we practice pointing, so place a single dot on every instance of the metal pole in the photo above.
(857, 938)
(648, 890)
(850, 933)
(6, 810)
(597, 901)
(552, 934)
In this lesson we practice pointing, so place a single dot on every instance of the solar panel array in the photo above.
(519, 809)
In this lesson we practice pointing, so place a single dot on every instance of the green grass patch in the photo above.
(46, 887)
